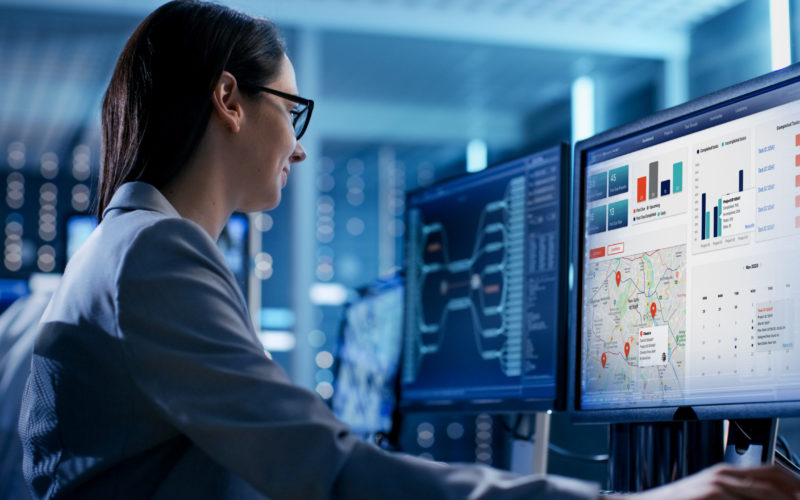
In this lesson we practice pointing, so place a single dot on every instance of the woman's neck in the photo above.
(199, 193)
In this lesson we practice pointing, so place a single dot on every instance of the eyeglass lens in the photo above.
(300, 120)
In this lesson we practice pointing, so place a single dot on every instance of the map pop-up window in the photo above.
(653, 345)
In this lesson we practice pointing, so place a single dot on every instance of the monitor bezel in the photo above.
(659, 119)
(516, 405)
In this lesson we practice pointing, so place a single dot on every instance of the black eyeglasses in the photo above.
(301, 114)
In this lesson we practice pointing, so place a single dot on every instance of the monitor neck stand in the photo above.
(531, 457)
(751, 442)
(646, 455)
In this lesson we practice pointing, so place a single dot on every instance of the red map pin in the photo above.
(619, 277)
(603, 359)
(653, 310)
(627, 348)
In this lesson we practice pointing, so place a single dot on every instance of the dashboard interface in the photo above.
(691, 260)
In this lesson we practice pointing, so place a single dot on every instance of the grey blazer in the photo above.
(148, 381)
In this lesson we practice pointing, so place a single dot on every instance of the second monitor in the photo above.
(486, 288)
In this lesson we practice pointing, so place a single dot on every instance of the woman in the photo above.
(147, 379)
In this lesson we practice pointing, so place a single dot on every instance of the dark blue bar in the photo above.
(665, 187)
(703, 217)
(686, 126)
(741, 180)
(716, 220)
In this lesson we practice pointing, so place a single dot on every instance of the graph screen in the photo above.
(369, 352)
(690, 278)
(484, 270)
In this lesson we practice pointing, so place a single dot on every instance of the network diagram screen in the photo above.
(364, 395)
(483, 280)
(691, 260)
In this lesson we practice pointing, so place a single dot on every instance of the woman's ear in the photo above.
(226, 102)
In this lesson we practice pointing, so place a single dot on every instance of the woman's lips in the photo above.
(285, 173)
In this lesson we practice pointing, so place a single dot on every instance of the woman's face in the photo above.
(270, 147)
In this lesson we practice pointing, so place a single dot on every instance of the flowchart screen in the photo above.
(482, 284)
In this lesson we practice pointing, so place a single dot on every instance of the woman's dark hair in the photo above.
(158, 102)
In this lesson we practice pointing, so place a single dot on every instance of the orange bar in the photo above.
(797, 140)
(797, 222)
(797, 201)
(641, 189)
(797, 181)
(797, 161)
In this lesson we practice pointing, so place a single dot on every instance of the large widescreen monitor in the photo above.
(364, 394)
(486, 287)
(688, 260)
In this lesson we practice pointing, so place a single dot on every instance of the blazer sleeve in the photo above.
(189, 346)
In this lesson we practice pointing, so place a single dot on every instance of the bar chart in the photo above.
(711, 227)
(659, 187)
(724, 196)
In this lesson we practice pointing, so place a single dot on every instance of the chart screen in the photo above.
(483, 279)
(691, 263)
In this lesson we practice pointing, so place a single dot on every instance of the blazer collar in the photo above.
(140, 196)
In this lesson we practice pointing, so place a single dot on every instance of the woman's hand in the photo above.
(723, 482)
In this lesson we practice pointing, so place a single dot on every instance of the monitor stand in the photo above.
(531, 458)
(751, 442)
(646, 455)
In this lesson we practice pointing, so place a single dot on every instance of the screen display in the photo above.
(690, 273)
(79, 227)
(483, 277)
(10, 291)
(364, 394)
(233, 242)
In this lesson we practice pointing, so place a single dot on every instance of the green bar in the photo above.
(708, 225)
(719, 222)
(677, 177)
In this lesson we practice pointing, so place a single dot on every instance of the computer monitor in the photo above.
(11, 290)
(79, 227)
(486, 287)
(368, 355)
(233, 242)
(688, 260)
